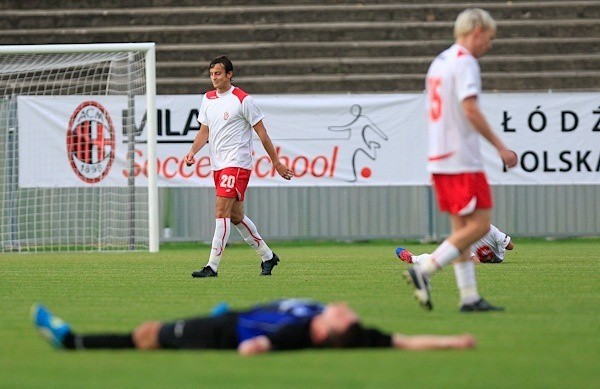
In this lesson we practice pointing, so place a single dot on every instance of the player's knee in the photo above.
(237, 218)
(237, 212)
(145, 337)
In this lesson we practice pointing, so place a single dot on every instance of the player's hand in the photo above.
(189, 159)
(284, 171)
(254, 346)
(509, 158)
(464, 341)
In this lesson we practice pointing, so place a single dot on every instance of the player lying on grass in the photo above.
(280, 325)
(489, 249)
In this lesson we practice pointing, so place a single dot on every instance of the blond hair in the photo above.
(471, 18)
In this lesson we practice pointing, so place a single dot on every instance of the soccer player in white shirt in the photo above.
(489, 249)
(492, 247)
(455, 122)
(227, 117)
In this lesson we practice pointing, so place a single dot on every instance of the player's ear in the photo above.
(318, 331)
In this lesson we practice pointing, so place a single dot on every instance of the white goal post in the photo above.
(78, 148)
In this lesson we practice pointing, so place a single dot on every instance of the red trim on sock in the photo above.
(223, 237)
(257, 240)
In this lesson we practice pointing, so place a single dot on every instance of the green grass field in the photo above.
(549, 336)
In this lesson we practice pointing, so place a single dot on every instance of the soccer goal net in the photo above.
(75, 121)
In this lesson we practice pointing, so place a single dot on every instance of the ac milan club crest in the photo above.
(91, 142)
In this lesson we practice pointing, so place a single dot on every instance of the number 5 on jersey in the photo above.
(435, 98)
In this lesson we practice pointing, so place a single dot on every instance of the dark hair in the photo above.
(352, 337)
(223, 60)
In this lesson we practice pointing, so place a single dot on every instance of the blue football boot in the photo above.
(51, 327)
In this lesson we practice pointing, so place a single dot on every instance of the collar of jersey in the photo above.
(460, 47)
(226, 93)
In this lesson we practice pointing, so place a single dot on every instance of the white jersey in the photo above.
(492, 247)
(453, 142)
(230, 118)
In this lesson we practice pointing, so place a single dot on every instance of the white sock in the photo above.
(249, 232)
(442, 256)
(222, 230)
(418, 259)
(466, 281)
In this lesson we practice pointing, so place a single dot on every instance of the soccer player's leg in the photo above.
(51, 327)
(59, 334)
(220, 237)
(476, 225)
(420, 284)
(226, 197)
(449, 193)
(250, 234)
(248, 229)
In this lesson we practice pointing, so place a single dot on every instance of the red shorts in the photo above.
(461, 194)
(232, 182)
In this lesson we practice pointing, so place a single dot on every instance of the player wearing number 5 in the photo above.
(455, 123)
(227, 116)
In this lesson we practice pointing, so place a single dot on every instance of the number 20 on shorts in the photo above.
(227, 181)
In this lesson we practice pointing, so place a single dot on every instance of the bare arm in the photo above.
(254, 346)
(199, 142)
(433, 342)
(475, 116)
(282, 169)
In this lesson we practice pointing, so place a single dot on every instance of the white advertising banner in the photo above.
(328, 140)
(555, 135)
